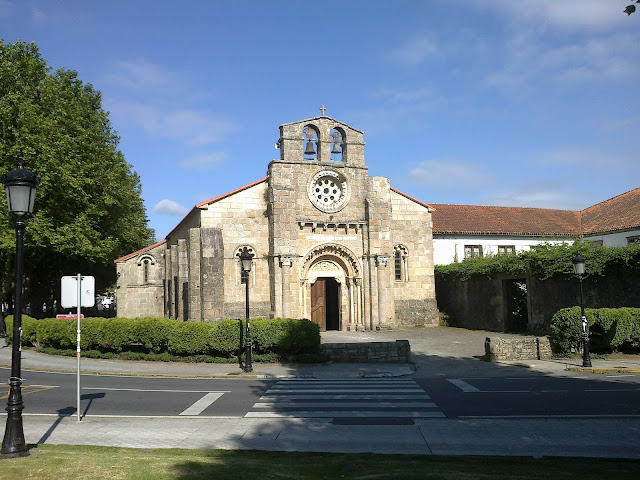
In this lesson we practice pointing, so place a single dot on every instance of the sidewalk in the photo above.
(438, 351)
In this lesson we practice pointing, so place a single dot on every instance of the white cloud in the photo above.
(539, 195)
(193, 127)
(204, 162)
(565, 14)
(169, 207)
(530, 61)
(449, 173)
(142, 75)
(416, 50)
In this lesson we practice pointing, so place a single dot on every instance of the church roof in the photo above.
(617, 213)
(228, 194)
(412, 199)
(215, 199)
(142, 250)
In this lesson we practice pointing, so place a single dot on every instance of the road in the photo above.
(381, 401)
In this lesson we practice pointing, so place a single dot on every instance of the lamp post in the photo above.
(20, 185)
(578, 267)
(246, 259)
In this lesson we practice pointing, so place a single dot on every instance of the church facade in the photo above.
(329, 243)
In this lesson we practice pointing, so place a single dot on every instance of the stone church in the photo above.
(329, 243)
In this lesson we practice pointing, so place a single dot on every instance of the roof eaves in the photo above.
(429, 207)
(142, 250)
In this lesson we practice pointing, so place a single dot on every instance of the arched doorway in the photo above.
(331, 295)
(325, 303)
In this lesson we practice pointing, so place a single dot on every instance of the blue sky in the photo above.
(488, 102)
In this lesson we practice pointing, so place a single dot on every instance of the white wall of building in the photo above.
(450, 249)
(618, 239)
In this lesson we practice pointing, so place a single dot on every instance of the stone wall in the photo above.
(372, 352)
(481, 303)
(525, 348)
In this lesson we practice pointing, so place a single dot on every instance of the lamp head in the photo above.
(246, 259)
(20, 185)
(578, 264)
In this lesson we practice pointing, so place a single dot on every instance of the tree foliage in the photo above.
(548, 260)
(88, 208)
(631, 8)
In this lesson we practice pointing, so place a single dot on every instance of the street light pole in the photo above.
(246, 259)
(20, 185)
(578, 265)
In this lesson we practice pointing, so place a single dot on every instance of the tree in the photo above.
(631, 8)
(88, 209)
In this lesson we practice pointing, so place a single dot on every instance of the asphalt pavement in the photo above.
(439, 351)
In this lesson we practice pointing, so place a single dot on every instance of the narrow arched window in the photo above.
(401, 269)
(145, 263)
(145, 270)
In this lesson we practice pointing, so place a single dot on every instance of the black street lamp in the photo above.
(578, 267)
(246, 259)
(20, 185)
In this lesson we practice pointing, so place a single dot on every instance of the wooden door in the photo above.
(318, 304)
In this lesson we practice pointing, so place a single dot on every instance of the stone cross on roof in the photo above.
(322, 109)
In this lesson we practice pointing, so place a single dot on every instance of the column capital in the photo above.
(286, 260)
(382, 260)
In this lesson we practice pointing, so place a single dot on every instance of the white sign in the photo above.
(69, 297)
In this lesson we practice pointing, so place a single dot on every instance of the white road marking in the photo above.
(462, 385)
(344, 405)
(151, 390)
(344, 414)
(202, 404)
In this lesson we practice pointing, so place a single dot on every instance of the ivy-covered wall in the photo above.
(473, 293)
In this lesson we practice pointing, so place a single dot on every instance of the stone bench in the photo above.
(524, 348)
(369, 352)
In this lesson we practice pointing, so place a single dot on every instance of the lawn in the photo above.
(61, 462)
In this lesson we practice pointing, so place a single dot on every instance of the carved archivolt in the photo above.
(332, 253)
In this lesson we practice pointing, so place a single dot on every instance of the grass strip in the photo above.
(62, 462)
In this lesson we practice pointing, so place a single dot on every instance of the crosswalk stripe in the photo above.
(345, 405)
(344, 390)
(274, 398)
(345, 398)
(345, 414)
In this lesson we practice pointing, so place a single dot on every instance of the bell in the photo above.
(336, 148)
(308, 149)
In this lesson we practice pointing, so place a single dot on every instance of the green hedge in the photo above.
(160, 335)
(610, 329)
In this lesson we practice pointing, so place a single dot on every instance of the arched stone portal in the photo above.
(331, 288)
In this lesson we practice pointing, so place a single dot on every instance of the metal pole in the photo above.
(13, 444)
(247, 363)
(586, 359)
(79, 285)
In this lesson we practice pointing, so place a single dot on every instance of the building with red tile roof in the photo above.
(460, 231)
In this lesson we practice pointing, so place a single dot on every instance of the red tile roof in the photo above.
(617, 213)
(475, 219)
(142, 250)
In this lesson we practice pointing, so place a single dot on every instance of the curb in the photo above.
(601, 370)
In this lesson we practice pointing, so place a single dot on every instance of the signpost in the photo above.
(78, 291)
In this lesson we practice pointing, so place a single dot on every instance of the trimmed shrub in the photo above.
(29, 328)
(274, 338)
(285, 336)
(610, 329)
(190, 338)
